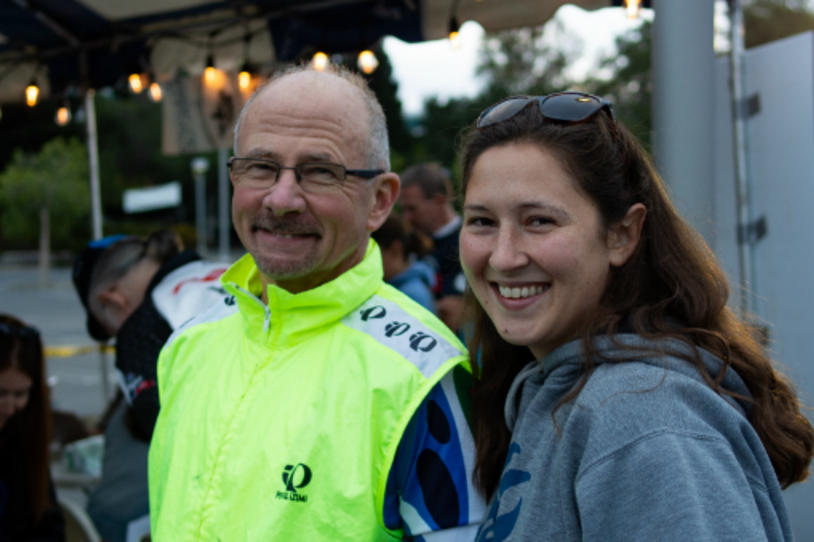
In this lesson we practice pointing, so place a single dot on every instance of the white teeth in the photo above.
(518, 292)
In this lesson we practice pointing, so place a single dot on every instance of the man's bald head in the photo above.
(375, 144)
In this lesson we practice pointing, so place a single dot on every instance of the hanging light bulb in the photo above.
(136, 83)
(454, 32)
(244, 78)
(320, 61)
(632, 8)
(155, 91)
(63, 115)
(32, 92)
(367, 61)
(210, 73)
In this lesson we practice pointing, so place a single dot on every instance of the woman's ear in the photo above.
(623, 237)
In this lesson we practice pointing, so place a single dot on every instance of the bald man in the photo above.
(321, 403)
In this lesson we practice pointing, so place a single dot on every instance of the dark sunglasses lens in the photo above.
(502, 111)
(569, 107)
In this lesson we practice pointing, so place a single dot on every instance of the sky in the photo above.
(434, 68)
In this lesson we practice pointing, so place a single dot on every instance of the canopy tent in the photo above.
(88, 44)
(96, 43)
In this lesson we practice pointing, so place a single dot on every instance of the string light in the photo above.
(320, 61)
(210, 73)
(63, 115)
(136, 83)
(454, 32)
(367, 61)
(632, 8)
(155, 91)
(32, 92)
(244, 77)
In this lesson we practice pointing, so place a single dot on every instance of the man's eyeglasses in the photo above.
(562, 107)
(311, 176)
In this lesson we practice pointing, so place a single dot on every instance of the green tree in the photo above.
(385, 87)
(630, 87)
(49, 187)
(511, 62)
(769, 20)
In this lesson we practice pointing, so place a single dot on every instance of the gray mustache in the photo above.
(286, 226)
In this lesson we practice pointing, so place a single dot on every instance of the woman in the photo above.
(28, 507)
(651, 412)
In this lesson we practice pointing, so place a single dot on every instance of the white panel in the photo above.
(162, 196)
(781, 166)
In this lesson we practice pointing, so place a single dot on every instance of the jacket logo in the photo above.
(418, 341)
(295, 477)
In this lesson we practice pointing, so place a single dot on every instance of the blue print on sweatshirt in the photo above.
(497, 528)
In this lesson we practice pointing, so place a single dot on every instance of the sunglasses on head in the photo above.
(20, 331)
(561, 107)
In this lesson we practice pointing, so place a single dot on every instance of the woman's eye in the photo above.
(479, 221)
(539, 221)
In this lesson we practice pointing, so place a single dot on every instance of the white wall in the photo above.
(781, 167)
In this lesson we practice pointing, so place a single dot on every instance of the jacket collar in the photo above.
(295, 314)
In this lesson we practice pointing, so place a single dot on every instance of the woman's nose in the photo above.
(507, 252)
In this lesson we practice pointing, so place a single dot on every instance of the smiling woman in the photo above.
(610, 363)
(28, 508)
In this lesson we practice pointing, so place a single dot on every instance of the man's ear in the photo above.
(623, 237)
(385, 194)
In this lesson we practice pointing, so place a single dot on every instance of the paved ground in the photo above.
(76, 381)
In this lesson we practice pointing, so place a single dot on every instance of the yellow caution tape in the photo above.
(70, 351)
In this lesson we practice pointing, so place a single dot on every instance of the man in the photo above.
(426, 201)
(319, 403)
(137, 290)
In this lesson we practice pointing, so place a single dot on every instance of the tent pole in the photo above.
(743, 197)
(224, 224)
(93, 162)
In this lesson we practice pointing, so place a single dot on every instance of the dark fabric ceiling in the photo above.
(78, 44)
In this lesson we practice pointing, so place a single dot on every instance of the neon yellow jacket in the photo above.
(281, 422)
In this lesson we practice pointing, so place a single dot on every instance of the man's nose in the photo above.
(286, 195)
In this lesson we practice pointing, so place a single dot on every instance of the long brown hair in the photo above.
(30, 428)
(672, 277)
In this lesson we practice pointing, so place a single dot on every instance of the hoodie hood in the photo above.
(565, 366)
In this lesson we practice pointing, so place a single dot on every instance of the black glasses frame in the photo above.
(562, 107)
(363, 173)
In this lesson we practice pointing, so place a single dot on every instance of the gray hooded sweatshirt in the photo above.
(646, 452)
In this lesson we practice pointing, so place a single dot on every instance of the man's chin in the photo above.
(284, 268)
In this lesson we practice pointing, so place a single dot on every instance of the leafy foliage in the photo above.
(630, 89)
(55, 179)
(769, 20)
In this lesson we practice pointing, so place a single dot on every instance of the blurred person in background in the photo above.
(426, 203)
(28, 505)
(404, 269)
(138, 291)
